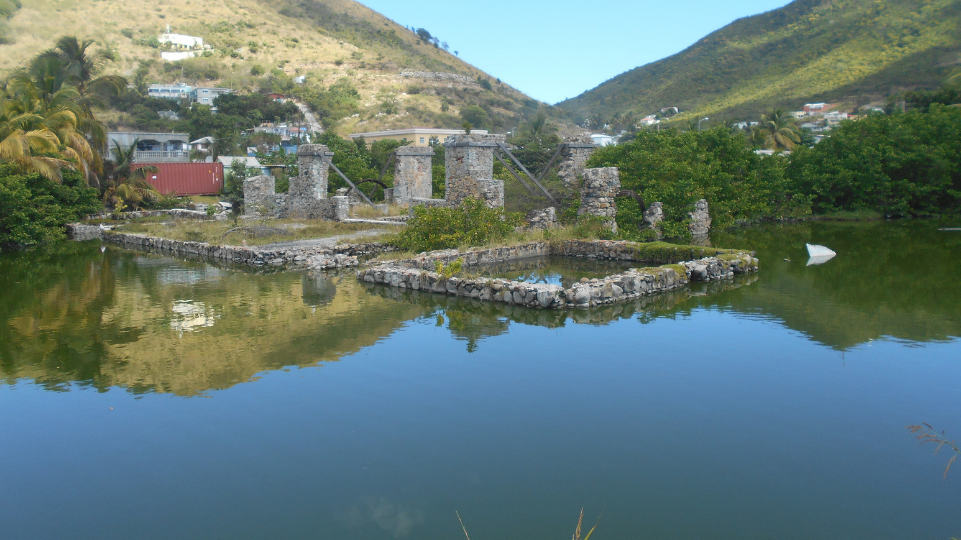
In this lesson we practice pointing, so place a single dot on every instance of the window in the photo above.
(422, 140)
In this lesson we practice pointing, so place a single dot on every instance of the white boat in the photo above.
(819, 254)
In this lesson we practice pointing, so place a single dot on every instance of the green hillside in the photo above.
(854, 51)
(261, 45)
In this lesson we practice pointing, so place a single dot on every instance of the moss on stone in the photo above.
(678, 268)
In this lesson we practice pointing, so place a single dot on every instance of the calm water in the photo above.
(143, 397)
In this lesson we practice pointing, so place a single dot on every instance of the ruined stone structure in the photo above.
(543, 219)
(700, 224)
(412, 174)
(469, 160)
(416, 274)
(260, 198)
(598, 191)
(307, 196)
(653, 217)
(574, 155)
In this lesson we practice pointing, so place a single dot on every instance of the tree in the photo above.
(477, 116)
(130, 183)
(780, 130)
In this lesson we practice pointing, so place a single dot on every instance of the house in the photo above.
(649, 120)
(670, 111)
(835, 117)
(249, 162)
(300, 79)
(169, 91)
(152, 147)
(206, 96)
(202, 144)
(169, 115)
(277, 97)
(181, 41)
(799, 114)
(601, 139)
(813, 108)
(420, 136)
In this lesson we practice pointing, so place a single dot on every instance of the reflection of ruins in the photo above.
(148, 324)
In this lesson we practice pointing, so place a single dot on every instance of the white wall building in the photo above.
(169, 91)
(182, 41)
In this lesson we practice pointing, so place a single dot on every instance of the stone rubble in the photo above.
(543, 219)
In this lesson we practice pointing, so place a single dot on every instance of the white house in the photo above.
(169, 91)
(168, 56)
(649, 120)
(601, 139)
(182, 41)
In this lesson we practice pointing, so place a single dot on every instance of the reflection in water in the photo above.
(73, 314)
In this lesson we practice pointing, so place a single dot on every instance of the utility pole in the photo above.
(699, 123)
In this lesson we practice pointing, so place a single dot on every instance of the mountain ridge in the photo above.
(833, 50)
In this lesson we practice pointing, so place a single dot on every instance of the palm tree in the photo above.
(130, 183)
(780, 130)
(26, 143)
(538, 127)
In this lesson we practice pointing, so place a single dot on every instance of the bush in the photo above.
(899, 164)
(472, 223)
(34, 210)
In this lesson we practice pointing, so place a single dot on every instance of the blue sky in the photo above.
(553, 50)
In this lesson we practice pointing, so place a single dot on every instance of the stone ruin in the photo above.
(412, 174)
(700, 224)
(598, 191)
(653, 217)
(469, 160)
(307, 196)
(574, 156)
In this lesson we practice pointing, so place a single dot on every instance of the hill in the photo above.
(262, 45)
(854, 51)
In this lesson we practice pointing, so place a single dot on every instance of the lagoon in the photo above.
(146, 397)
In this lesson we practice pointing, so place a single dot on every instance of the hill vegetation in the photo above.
(352, 58)
(854, 51)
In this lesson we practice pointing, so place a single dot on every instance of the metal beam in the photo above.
(519, 179)
(344, 176)
(551, 162)
(390, 159)
(528, 173)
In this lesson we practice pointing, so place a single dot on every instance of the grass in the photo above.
(242, 233)
(850, 215)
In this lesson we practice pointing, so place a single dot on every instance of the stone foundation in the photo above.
(260, 198)
(412, 174)
(416, 274)
(598, 191)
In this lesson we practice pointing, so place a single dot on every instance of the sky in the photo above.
(558, 49)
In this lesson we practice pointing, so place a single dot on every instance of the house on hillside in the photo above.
(649, 120)
(601, 139)
(152, 147)
(181, 41)
(815, 108)
(169, 91)
(202, 144)
(206, 96)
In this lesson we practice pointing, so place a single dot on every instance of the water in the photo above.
(144, 397)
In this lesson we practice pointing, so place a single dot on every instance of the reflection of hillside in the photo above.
(891, 280)
(123, 319)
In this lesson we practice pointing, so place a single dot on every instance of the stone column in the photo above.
(311, 185)
(575, 154)
(469, 160)
(653, 217)
(700, 224)
(260, 198)
(412, 174)
(598, 191)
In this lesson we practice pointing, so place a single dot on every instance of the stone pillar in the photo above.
(653, 217)
(412, 174)
(314, 171)
(598, 191)
(575, 154)
(700, 224)
(341, 208)
(469, 160)
(260, 198)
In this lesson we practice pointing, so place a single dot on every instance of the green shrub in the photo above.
(33, 210)
(472, 223)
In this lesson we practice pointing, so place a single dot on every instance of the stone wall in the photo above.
(574, 155)
(598, 191)
(413, 174)
(700, 224)
(543, 219)
(415, 274)
(310, 188)
(653, 217)
(439, 76)
(260, 198)
(469, 160)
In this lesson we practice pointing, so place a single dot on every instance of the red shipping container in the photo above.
(186, 178)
